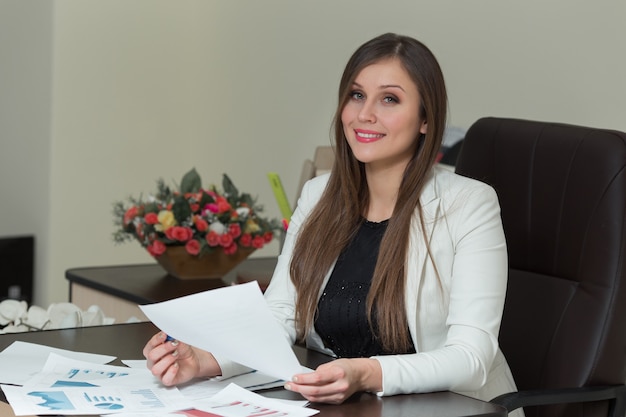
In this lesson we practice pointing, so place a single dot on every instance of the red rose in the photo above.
(246, 240)
(130, 214)
(222, 205)
(193, 247)
(268, 236)
(180, 233)
(234, 230)
(213, 239)
(230, 250)
(201, 224)
(258, 242)
(151, 218)
(156, 248)
(226, 240)
(194, 207)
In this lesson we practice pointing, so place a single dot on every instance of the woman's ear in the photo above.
(423, 128)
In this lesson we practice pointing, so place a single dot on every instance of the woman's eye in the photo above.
(356, 95)
(390, 99)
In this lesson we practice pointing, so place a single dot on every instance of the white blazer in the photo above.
(454, 319)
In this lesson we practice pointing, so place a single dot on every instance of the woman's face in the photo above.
(381, 119)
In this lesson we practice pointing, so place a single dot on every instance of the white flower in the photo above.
(217, 227)
(243, 211)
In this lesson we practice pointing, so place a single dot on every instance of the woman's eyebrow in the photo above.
(382, 87)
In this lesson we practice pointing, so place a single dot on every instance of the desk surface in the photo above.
(126, 341)
(149, 283)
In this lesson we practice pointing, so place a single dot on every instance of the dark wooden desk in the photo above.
(119, 289)
(127, 340)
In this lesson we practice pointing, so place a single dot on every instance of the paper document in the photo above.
(231, 322)
(62, 372)
(198, 389)
(92, 400)
(234, 401)
(22, 360)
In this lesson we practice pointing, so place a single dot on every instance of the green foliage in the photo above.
(191, 182)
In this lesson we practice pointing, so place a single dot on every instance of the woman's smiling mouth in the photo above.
(367, 135)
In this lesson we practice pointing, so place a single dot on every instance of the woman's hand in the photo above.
(174, 362)
(336, 381)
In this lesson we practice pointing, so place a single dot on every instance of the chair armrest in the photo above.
(616, 393)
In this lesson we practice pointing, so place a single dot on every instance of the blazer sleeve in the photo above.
(459, 354)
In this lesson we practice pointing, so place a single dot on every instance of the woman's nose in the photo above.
(366, 113)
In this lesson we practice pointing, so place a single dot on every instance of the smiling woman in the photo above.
(381, 120)
(394, 266)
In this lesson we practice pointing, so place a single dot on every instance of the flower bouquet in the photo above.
(195, 232)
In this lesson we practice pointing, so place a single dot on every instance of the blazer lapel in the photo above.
(418, 256)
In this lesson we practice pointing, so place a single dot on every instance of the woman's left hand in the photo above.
(336, 381)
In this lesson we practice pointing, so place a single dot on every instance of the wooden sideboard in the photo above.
(119, 290)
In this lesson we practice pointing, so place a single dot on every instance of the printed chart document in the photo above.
(92, 400)
(232, 322)
(234, 401)
(68, 386)
(62, 372)
(22, 360)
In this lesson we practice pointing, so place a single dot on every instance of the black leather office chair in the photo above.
(562, 190)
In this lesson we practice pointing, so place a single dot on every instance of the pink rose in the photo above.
(156, 248)
(213, 208)
(151, 218)
(213, 239)
(222, 204)
(246, 240)
(193, 247)
(201, 224)
(230, 250)
(179, 233)
(234, 230)
(226, 240)
(130, 214)
(258, 242)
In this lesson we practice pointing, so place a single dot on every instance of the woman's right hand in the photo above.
(174, 362)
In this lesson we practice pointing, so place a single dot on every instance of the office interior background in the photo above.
(99, 99)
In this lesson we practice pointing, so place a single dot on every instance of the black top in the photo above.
(342, 320)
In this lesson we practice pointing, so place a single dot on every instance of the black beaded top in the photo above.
(342, 320)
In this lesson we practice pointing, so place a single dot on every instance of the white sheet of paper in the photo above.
(21, 360)
(93, 400)
(234, 401)
(204, 388)
(62, 372)
(233, 322)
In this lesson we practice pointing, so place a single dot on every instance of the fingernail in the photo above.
(174, 342)
(175, 353)
(288, 387)
(294, 379)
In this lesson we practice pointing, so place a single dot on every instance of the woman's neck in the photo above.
(383, 186)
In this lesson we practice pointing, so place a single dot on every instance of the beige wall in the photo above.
(150, 88)
(25, 117)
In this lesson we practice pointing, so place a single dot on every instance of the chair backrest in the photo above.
(562, 191)
(322, 163)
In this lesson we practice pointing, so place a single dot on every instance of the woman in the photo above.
(396, 267)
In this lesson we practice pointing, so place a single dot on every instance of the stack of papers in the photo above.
(70, 386)
(42, 380)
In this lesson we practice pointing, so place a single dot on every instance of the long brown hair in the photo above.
(337, 216)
